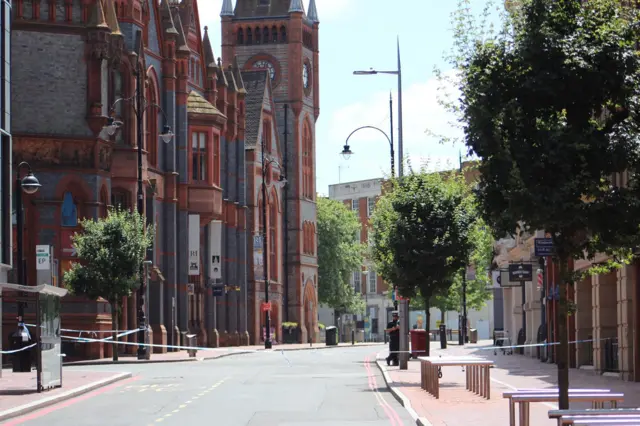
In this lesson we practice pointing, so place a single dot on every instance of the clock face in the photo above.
(305, 75)
(266, 65)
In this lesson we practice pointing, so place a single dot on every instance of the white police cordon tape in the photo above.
(17, 350)
(531, 345)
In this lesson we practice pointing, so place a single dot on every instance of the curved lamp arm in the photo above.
(113, 125)
(347, 153)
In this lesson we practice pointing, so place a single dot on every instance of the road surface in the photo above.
(337, 387)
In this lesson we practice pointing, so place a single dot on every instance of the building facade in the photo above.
(201, 190)
(279, 36)
(361, 198)
(5, 150)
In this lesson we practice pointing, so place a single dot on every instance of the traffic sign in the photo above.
(218, 290)
(266, 307)
(544, 247)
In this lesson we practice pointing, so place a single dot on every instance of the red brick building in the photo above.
(221, 112)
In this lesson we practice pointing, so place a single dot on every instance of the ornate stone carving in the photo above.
(54, 152)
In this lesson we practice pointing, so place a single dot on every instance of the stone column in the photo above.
(584, 323)
(604, 316)
(625, 292)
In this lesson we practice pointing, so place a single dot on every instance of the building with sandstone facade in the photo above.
(76, 58)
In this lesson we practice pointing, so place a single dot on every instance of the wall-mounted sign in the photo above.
(194, 244)
(43, 258)
(215, 249)
(521, 272)
(544, 247)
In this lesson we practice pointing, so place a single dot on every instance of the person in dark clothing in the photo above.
(393, 328)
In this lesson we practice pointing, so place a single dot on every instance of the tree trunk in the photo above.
(114, 328)
(562, 353)
(427, 325)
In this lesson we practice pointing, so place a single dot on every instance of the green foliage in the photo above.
(339, 255)
(551, 105)
(110, 254)
(421, 232)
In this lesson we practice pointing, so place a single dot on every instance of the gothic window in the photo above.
(240, 36)
(69, 211)
(283, 34)
(266, 136)
(273, 226)
(151, 124)
(118, 92)
(258, 34)
(313, 238)
(274, 34)
(305, 238)
(216, 160)
(265, 35)
(260, 216)
(121, 199)
(199, 157)
(307, 163)
(249, 36)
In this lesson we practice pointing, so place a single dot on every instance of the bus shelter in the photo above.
(46, 342)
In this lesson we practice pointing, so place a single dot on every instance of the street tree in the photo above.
(421, 233)
(551, 106)
(340, 253)
(110, 254)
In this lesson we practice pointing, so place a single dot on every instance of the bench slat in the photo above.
(603, 421)
(510, 394)
(550, 397)
(554, 414)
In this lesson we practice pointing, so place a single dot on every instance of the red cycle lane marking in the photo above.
(64, 404)
(391, 413)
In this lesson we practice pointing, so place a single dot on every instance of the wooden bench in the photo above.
(566, 417)
(477, 374)
(602, 421)
(524, 399)
(510, 394)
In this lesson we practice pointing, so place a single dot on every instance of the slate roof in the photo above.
(256, 8)
(255, 82)
(196, 104)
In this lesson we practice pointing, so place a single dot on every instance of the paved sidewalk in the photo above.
(212, 353)
(18, 394)
(458, 407)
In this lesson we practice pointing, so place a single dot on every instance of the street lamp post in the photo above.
(30, 185)
(265, 238)
(140, 108)
(404, 307)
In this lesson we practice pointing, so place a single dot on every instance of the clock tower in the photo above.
(281, 37)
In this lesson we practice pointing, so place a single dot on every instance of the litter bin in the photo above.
(21, 361)
(473, 335)
(419, 343)
(192, 342)
(331, 336)
(443, 336)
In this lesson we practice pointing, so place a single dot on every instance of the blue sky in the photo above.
(357, 35)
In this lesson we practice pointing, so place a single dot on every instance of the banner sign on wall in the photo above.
(215, 249)
(520, 272)
(194, 244)
(258, 267)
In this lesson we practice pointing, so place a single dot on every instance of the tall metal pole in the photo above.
(286, 214)
(404, 305)
(393, 160)
(462, 335)
(19, 243)
(142, 319)
(400, 140)
(265, 259)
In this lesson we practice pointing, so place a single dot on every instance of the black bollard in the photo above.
(443, 336)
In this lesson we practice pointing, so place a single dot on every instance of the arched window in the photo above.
(304, 237)
(260, 216)
(265, 35)
(258, 35)
(118, 92)
(283, 34)
(273, 242)
(249, 36)
(240, 36)
(313, 239)
(307, 162)
(274, 34)
(69, 211)
(151, 122)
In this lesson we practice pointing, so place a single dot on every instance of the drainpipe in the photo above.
(286, 214)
